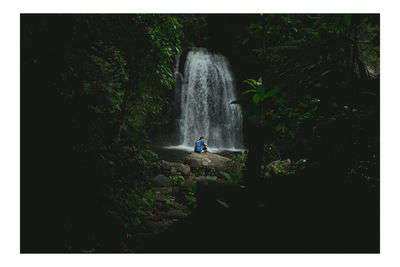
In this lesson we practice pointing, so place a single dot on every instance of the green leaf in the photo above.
(310, 17)
(347, 19)
(260, 90)
(255, 26)
(249, 91)
(279, 127)
(226, 175)
(256, 98)
(236, 102)
(251, 82)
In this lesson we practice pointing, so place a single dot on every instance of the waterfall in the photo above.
(206, 89)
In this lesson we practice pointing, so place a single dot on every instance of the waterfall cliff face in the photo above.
(207, 88)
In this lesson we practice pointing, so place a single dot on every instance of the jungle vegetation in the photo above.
(96, 88)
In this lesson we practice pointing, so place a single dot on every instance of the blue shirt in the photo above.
(199, 145)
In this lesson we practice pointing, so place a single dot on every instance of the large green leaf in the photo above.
(251, 82)
(256, 98)
(248, 91)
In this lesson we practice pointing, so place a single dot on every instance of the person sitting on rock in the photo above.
(200, 145)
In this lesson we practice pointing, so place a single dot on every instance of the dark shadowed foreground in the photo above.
(290, 214)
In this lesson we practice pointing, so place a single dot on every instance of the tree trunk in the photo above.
(123, 112)
(254, 158)
(256, 140)
(124, 105)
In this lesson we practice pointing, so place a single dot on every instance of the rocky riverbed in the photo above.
(175, 189)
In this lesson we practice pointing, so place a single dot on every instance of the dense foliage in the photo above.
(318, 96)
(111, 80)
(100, 88)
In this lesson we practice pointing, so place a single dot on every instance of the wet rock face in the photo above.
(206, 160)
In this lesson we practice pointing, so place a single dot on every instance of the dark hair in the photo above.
(201, 137)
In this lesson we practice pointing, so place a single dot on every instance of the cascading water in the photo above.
(207, 88)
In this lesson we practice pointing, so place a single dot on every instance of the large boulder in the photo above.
(206, 160)
(161, 181)
(180, 167)
(279, 167)
(175, 214)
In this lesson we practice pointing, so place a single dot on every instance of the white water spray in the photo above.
(206, 91)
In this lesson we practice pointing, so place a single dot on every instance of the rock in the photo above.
(173, 170)
(159, 198)
(176, 166)
(223, 203)
(200, 179)
(161, 206)
(184, 169)
(206, 160)
(155, 226)
(152, 217)
(282, 163)
(161, 181)
(188, 183)
(203, 179)
(175, 214)
(286, 163)
(180, 206)
(278, 167)
(175, 190)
